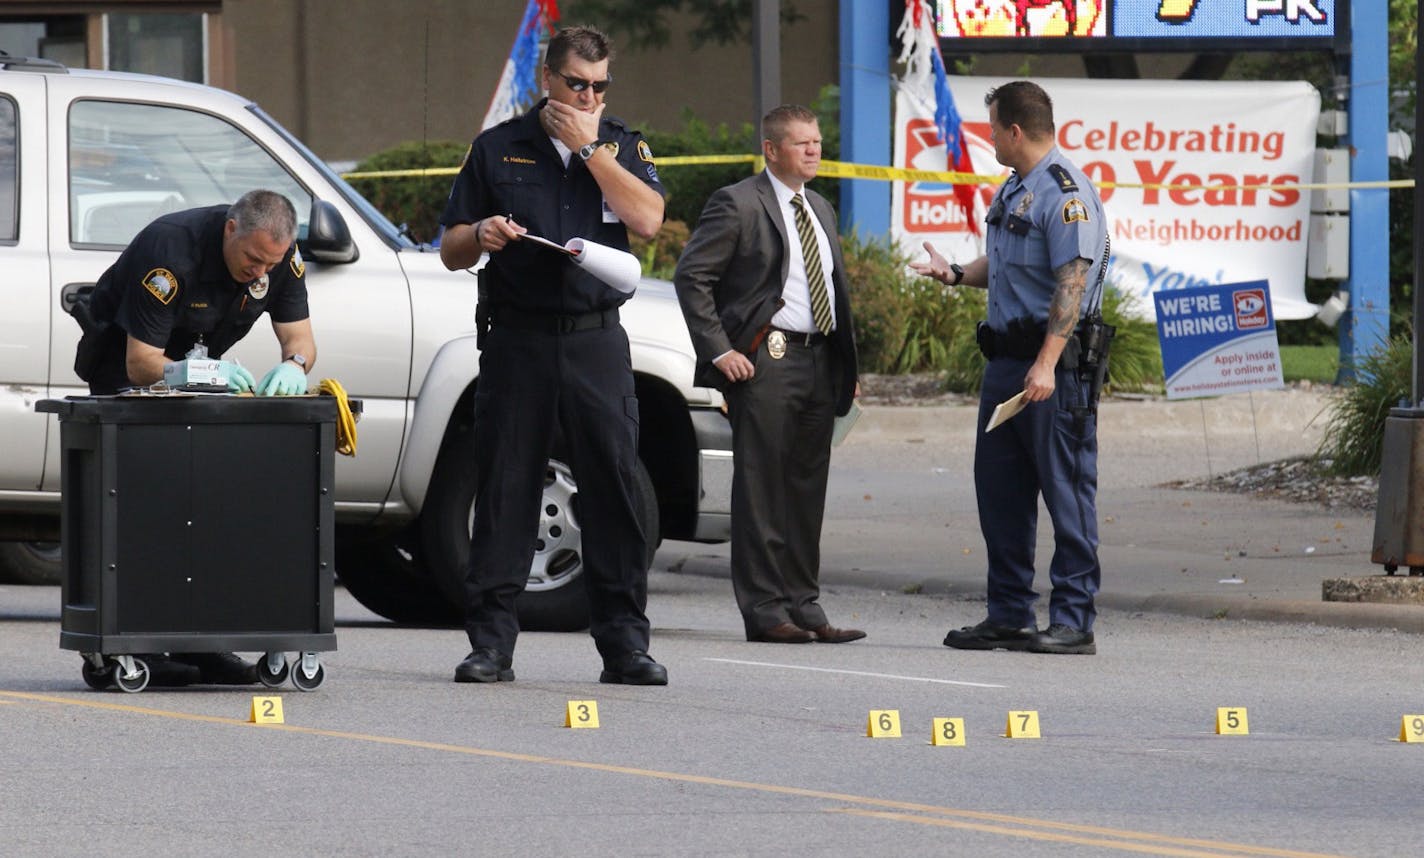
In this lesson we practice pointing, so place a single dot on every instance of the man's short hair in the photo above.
(1025, 104)
(776, 123)
(586, 43)
(268, 211)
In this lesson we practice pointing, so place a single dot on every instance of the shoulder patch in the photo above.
(161, 283)
(1075, 210)
(645, 151)
(299, 266)
(1061, 175)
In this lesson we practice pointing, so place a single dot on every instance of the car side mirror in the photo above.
(328, 238)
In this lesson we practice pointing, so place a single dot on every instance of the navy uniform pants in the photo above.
(1049, 448)
(582, 382)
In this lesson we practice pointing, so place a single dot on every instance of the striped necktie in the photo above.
(815, 276)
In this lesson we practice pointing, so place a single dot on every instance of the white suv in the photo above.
(89, 158)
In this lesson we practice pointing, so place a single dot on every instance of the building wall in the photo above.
(352, 77)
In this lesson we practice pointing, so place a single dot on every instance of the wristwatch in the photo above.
(586, 151)
(958, 273)
(299, 359)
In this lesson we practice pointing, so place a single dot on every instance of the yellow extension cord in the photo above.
(345, 420)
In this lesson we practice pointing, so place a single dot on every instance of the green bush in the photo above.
(1354, 432)
(415, 201)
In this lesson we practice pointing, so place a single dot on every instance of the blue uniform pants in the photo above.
(1050, 448)
(530, 384)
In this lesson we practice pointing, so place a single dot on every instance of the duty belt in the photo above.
(552, 323)
(801, 338)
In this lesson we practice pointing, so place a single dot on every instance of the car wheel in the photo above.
(34, 563)
(554, 599)
(381, 572)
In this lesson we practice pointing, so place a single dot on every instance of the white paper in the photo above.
(617, 268)
(1006, 409)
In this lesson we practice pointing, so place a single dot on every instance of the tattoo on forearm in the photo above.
(1068, 297)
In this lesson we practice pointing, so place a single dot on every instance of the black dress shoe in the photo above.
(989, 635)
(1063, 640)
(219, 668)
(634, 668)
(782, 633)
(830, 634)
(485, 665)
(165, 672)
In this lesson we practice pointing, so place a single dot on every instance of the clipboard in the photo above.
(1006, 409)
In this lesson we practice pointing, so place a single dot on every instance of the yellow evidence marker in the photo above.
(1023, 724)
(266, 710)
(883, 724)
(948, 731)
(1411, 728)
(1231, 721)
(581, 713)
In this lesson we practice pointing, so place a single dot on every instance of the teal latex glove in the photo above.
(284, 379)
(239, 380)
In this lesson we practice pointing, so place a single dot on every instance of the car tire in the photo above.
(31, 563)
(555, 599)
(381, 571)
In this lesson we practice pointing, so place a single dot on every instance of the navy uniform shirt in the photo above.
(513, 169)
(1039, 222)
(170, 286)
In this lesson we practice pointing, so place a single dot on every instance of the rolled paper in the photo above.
(617, 268)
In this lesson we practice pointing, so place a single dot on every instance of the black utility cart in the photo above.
(197, 524)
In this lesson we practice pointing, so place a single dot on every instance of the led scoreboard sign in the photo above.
(981, 26)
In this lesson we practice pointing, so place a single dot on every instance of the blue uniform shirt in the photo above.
(1037, 223)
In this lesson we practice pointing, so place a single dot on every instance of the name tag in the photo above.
(609, 216)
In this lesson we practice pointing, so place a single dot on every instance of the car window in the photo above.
(130, 163)
(9, 171)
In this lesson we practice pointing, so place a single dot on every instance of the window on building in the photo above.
(168, 45)
(130, 163)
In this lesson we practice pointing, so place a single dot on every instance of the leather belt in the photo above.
(552, 323)
(802, 338)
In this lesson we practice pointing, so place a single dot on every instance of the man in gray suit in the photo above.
(762, 286)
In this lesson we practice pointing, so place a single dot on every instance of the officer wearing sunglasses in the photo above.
(555, 359)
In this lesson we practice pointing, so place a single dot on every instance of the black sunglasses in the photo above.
(578, 84)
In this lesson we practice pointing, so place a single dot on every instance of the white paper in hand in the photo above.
(1006, 409)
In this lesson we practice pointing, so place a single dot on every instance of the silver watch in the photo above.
(299, 359)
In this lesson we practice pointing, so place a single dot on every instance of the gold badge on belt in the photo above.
(776, 345)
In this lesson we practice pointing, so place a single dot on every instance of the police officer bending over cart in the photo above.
(1047, 244)
(200, 277)
(554, 355)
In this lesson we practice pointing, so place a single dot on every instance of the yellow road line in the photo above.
(1062, 832)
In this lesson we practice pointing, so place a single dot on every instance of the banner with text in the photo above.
(1199, 169)
(1218, 339)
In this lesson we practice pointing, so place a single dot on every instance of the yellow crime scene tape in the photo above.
(847, 170)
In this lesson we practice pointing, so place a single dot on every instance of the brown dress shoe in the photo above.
(830, 634)
(783, 633)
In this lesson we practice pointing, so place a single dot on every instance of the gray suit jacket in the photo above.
(731, 273)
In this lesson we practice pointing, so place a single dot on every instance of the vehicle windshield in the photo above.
(379, 222)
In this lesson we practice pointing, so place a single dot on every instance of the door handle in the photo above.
(70, 293)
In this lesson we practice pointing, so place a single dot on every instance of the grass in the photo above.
(1310, 363)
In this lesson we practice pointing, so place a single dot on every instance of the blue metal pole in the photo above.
(865, 113)
(1365, 327)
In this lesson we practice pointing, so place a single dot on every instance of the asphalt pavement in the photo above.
(901, 514)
